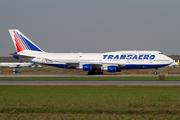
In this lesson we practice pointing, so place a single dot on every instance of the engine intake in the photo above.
(111, 68)
(87, 67)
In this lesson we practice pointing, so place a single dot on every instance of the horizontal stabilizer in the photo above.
(20, 55)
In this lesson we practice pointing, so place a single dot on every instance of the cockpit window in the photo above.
(160, 53)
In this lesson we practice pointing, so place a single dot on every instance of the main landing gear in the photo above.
(94, 72)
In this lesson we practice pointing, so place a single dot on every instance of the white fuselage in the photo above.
(121, 59)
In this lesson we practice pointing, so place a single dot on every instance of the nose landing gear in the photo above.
(155, 72)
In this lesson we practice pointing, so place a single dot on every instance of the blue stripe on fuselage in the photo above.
(131, 66)
(128, 66)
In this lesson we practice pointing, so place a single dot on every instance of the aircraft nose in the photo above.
(171, 60)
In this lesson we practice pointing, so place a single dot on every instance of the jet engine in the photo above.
(111, 68)
(87, 67)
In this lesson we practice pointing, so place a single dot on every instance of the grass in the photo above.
(87, 117)
(90, 100)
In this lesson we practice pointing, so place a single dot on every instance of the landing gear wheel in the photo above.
(99, 73)
(90, 73)
(94, 73)
(155, 72)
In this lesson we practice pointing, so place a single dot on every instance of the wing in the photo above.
(74, 62)
(105, 63)
(69, 62)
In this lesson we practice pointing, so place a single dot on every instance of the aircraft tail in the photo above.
(21, 42)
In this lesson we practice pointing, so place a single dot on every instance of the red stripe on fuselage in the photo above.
(19, 45)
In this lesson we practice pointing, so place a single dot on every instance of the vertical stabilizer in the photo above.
(21, 42)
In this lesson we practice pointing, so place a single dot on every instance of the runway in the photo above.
(85, 82)
(90, 82)
(81, 75)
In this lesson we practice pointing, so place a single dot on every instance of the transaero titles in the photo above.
(134, 57)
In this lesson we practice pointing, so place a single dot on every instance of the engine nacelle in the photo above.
(87, 67)
(111, 68)
(16, 57)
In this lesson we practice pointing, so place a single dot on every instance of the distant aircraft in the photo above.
(20, 64)
(94, 63)
(174, 64)
(15, 65)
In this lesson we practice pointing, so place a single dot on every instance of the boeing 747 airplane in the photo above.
(94, 63)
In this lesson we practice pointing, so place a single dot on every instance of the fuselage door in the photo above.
(151, 60)
(128, 60)
(100, 59)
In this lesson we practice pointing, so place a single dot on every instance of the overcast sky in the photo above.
(92, 25)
